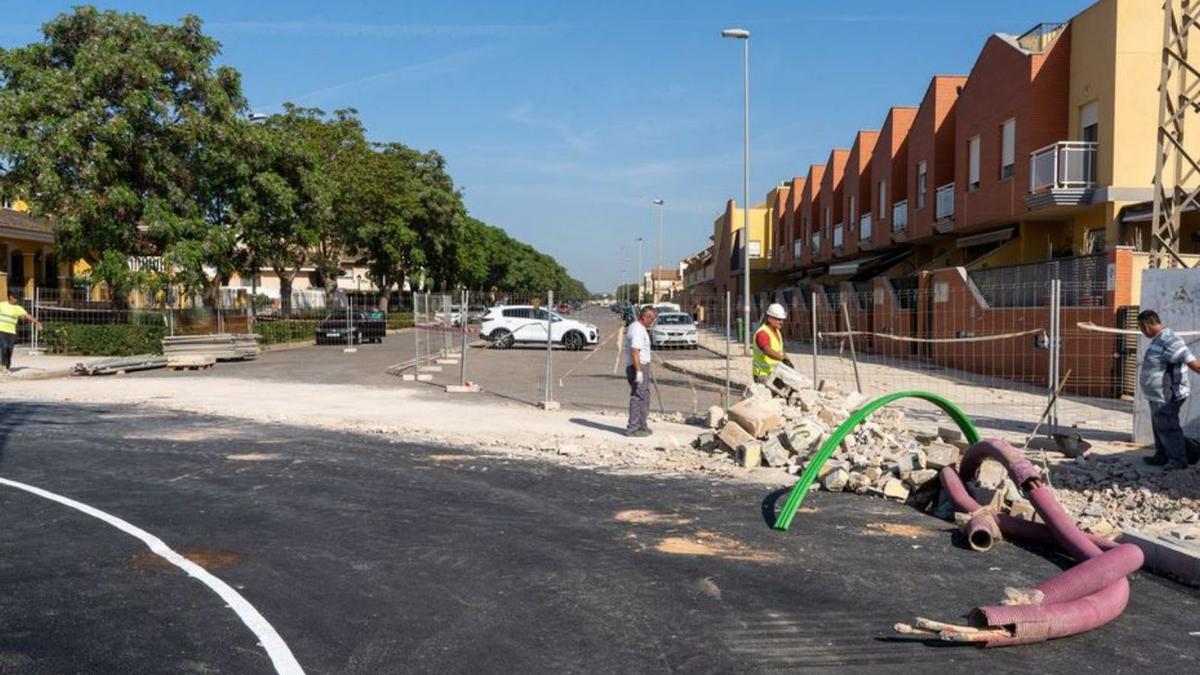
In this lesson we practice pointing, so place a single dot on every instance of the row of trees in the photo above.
(132, 142)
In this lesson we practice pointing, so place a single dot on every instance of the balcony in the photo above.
(816, 244)
(838, 236)
(944, 208)
(900, 216)
(864, 228)
(797, 248)
(1062, 174)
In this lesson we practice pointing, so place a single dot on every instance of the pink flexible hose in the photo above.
(1087, 596)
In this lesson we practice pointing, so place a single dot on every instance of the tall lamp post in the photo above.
(744, 35)
(641, 283)
(659, 203)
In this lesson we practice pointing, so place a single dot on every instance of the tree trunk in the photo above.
(285, 291)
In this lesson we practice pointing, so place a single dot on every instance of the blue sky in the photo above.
(561, 121)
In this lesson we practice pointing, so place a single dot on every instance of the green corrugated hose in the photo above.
(784, 520)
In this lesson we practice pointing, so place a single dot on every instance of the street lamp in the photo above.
(743, 34)
(659, 203)
(641, 282)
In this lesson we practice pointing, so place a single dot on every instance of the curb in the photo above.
(1167, 556)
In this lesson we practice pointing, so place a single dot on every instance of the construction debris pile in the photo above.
(219, 346)
(784, 423)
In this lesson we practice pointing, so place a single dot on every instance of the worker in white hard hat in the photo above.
(768, 343)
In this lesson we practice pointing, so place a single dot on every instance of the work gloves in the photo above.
(638, 377)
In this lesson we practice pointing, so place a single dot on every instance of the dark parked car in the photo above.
(366, 327)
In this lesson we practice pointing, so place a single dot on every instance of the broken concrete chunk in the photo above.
(949, 434)
(836, 480)
(732, 435)
(1022, 509)
(920, 477)
(895, 489)
(858, 482)
(991, 474)
(774, 452)
(940, 455)
(873, 473)
(803, 436)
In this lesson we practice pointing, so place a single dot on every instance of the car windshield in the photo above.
(674, 320)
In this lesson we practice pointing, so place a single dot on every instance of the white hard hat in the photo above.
(776, 311)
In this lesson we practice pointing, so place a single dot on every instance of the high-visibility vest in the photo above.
(763, 364)
(10, 314)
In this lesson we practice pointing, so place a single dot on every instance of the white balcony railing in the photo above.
(816, 244)
(797, 248)
(837, 235)
(900, 216)
(1066, 164)
(864, 227)
(945, 201)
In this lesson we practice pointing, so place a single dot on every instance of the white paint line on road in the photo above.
(282, 658)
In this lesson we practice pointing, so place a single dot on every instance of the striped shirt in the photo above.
(1164, 368)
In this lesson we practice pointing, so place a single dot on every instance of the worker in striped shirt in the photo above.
(1164, 383)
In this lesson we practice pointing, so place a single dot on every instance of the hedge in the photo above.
(103, 339)
(287, 330)
(399, 320)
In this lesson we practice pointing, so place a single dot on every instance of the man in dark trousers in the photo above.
(1164, 383)
(637, 371)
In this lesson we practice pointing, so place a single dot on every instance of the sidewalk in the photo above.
(42, 366)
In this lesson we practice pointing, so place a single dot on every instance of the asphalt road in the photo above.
(370, 557)
(583, 380)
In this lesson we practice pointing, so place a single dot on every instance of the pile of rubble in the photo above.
(785, 422)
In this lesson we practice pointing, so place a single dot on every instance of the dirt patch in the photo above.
(254, 457)
(711, 544)
(900, 530)
(208, 558)
(643, 517)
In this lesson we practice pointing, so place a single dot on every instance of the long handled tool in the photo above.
(1045, 413)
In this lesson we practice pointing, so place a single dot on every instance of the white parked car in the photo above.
(665, 307)
(673, 329)
(514, 324)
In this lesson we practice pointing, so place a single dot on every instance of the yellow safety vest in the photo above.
(763, 364)
(10, 314)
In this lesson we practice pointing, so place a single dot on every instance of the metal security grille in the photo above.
(1083, 282)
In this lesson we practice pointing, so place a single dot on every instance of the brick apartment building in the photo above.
(955, 215)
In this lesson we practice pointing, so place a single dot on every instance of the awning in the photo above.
(993, 237)
(845, 269)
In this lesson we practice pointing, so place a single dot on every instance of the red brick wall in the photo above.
(1008, 84)
(831, 197)
(886, 165)
(809, 206)
(931, 138)
(857, 182)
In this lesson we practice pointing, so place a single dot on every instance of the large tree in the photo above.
(110, 125)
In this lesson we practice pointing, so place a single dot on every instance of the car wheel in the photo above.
(501, 338)
(573, 341)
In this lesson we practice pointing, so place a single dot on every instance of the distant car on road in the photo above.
(363, 326)
(506, 326)
(673, 329)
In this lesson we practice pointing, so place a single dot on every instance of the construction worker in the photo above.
(768, 344)
(1164, 381)
(11, 312)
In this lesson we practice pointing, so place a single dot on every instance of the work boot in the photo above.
(637, 433)
(1175, 466)
(1155, 460)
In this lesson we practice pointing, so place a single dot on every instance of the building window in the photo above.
(755, 249)
(973, 164)
(1089, 122)
(828, 217)
(6, 202)
(922, 177)
(853, 210)
(882, 215)
(1008, 148)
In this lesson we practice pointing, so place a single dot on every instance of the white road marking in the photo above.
(281, 657)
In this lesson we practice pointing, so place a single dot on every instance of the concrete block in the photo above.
(921, 477)
(1022, 509)
(408, 377)
(732, 435)
(550, 405)
(446, 361)
(949, 434)
(716, 415)
(749, 455)
(757, 416)
(469, 388)
(429, 369)
(424, 377)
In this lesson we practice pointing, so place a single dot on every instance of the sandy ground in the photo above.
(36, 366)
(582, 438)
